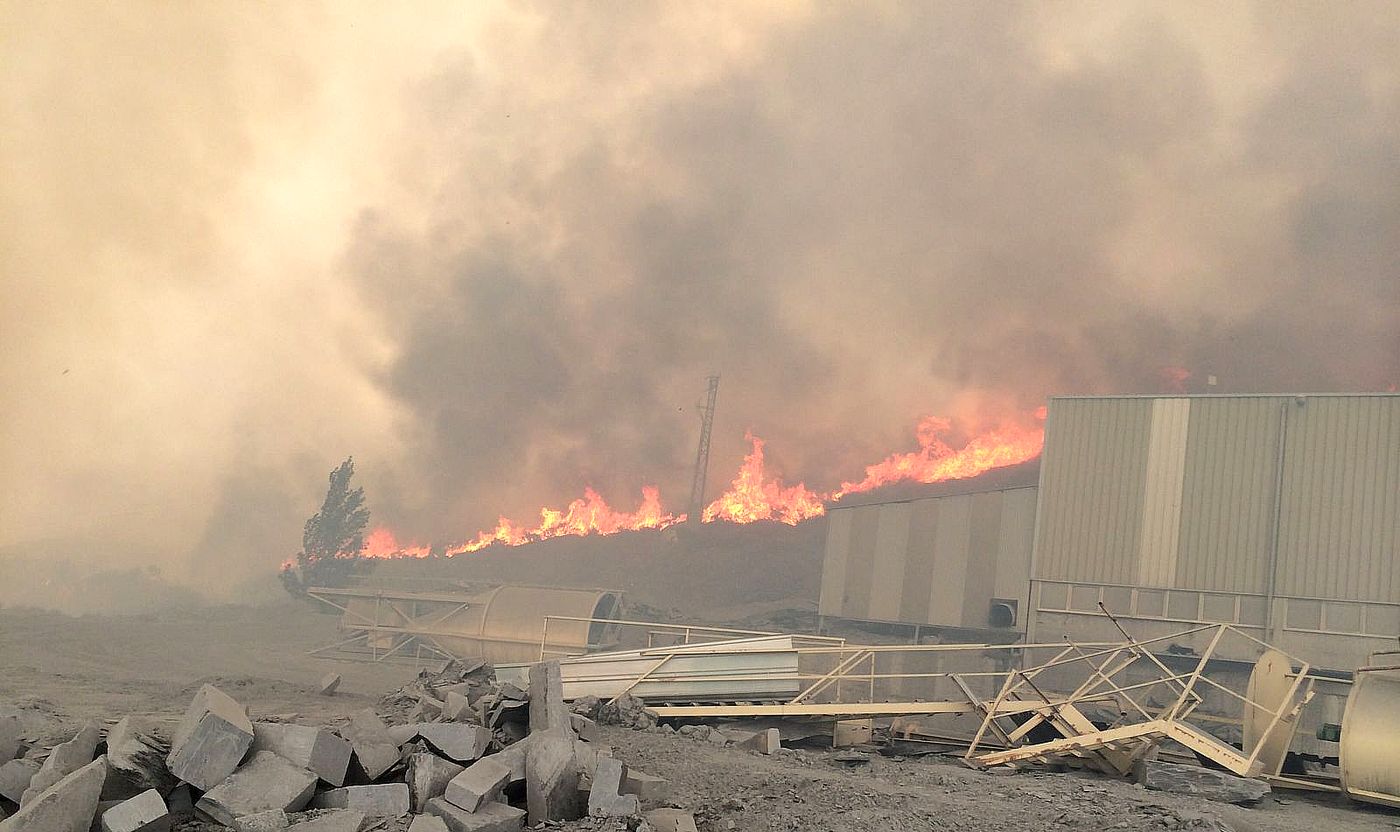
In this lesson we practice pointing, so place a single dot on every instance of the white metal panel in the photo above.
(838, 545)
(1161, 499)
(887, 572)
(950, 559)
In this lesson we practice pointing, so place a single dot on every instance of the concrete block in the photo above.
(329, 683)
(382, 800)
(671, 820)
(427, 778)
(547, 708)
(766, 741)
(333, 820)
(457, 708)
(65, 759)
(552, 777)
(374, 747)
(481, 782)
(649, 789)
(404, 734)
(1199, 782)
(427, 823)
(456, 741)
(136, 760)
(493, 817)
(265, 782)
(67, 806)
(211, 741)
(270, 820)
(586, 728)
(15, 777)
(605, 798)
(314, 749)
(146, 812)
(11, 738)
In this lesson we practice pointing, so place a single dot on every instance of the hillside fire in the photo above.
(755, 494)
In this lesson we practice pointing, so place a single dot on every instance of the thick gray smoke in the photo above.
(494, 256)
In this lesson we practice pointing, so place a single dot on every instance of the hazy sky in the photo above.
(492, 250)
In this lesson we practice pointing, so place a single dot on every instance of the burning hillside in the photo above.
(756, 494)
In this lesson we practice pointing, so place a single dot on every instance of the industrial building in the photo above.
(958, 561)
(1279, 514)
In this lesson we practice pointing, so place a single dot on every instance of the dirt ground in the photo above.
(58, 671)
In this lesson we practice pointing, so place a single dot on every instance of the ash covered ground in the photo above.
(60, 671)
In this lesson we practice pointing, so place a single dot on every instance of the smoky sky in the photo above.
(493, 251)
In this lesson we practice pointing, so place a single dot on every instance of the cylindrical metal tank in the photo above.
(499, 624)
(1370, 741)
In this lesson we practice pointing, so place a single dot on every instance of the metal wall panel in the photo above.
(1092, 477)
(1161, 493)
(1339, 518)
(937, 561)
(1227, 499)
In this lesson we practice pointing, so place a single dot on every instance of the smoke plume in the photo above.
(493, 251)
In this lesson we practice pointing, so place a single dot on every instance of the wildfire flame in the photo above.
(752, 496)
(755, 495)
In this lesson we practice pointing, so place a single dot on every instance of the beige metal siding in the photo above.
(1227, 499)
(1161, 494)
(838, 546)
(1091, 489)
(1339, 529)
(935, 561)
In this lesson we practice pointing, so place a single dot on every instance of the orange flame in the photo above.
(589, 515)
(756, 495)
(1008, 443)
(753, 496)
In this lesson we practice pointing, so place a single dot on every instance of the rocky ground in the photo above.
(59, 671)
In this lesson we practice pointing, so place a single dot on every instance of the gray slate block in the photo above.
(11, 738)
(146, 812)
(67, 806)
(493, 817)
(427, 778)
(552, 770)
(136, 759)
(547, 708)
(329, 683)
(649, 789)
(314, 749)
(456, 741)
(15, 777)
(65, 759)
(271, 820)
(427, 823)
(482, 782)
(214, 736)
(265, 782)
(605, 798)
(382, 800)
(1199, 782)
(374, 747)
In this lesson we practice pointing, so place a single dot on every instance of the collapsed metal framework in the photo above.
(1124, 700)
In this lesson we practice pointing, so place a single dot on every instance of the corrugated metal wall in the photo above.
(1277, 513)
(1183, 492)
(1339, 522)
(936, 561)
(1091, 488)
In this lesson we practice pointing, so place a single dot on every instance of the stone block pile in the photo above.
(460, 753)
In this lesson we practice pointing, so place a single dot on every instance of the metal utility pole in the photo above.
(702, 452)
